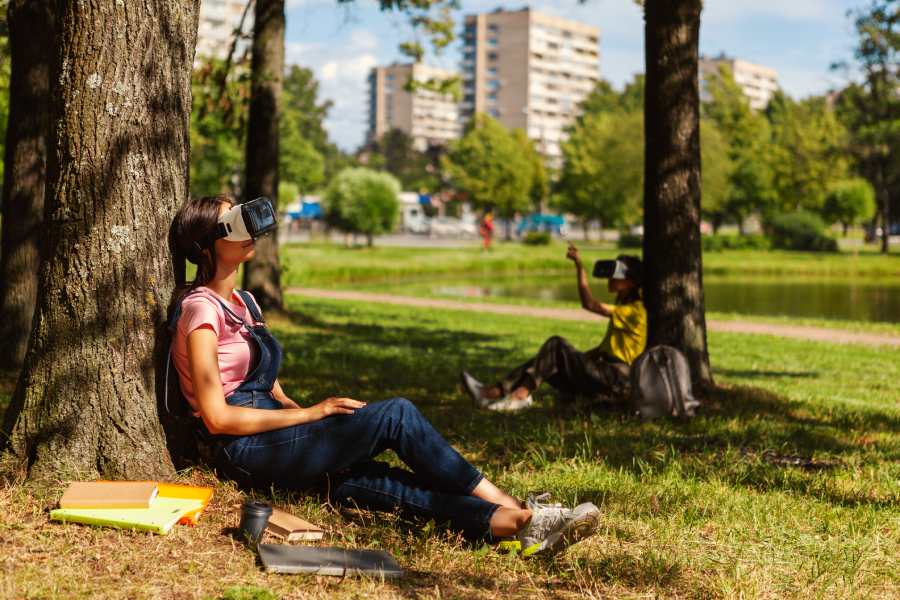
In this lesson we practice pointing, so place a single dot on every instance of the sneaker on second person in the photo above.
(474, 388)
(510, 403)
(553, 527)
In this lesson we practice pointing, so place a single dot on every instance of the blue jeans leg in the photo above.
(375, 485)
(298, 457)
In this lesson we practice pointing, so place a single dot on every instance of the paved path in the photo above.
(819, 334)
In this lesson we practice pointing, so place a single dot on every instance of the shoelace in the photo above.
(546, 516)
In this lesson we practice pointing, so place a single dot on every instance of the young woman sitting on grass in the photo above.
(602, 371)
(228, 361)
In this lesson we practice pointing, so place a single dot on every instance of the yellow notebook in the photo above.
(159, 518)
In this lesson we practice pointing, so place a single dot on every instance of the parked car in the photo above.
(450, 227)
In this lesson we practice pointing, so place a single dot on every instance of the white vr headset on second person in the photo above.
(242, 222)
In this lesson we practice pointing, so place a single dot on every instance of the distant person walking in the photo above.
(486, 230)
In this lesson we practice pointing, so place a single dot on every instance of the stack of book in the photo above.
(141, 505)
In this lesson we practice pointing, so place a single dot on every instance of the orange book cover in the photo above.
(178, 490)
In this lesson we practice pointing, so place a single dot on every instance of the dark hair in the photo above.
(196, 218)
(635, 274)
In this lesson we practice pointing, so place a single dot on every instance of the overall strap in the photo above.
(251, 305)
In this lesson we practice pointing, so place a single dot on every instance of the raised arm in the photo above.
(222, 418)
(584, 291)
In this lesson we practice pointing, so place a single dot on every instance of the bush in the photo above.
(360, 200)
(801, 231)
(631, 240)
(717, 243)
(536, 238)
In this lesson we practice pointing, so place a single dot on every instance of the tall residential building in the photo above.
(529, 70)
(218, 20)
(428, 117)
(759, 83)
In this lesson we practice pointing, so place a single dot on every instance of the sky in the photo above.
(798, 38)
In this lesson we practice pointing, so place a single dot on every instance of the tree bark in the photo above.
(26, 166)
(262, 275)
(672, 245)
(885, 220)
(86, 402)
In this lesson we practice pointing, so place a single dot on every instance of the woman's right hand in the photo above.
(336, 406)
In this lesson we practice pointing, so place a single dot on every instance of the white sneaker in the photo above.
(553, 528)
(509, 403)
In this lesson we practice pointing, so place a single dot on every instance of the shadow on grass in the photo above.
(734, 438)
(766, 374)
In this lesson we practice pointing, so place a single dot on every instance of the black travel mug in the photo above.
(254, 517)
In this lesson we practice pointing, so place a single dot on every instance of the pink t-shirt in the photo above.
(236, 348)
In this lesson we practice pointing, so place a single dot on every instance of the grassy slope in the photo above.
(705, 508)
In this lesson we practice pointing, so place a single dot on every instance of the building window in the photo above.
(492, 72)
(494, 113)
(493, 84)
(492, 97)
(492, 42)
(493, 28)
(492, 56)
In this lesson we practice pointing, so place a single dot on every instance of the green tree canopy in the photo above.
(747, 137)
(849, 202)
(488, 164)
(360, 200)
(602, 175)
(807, 154)
(395, 153)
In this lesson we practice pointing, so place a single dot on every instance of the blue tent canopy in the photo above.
(307, 210)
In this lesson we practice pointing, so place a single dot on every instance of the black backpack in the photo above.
(661, 384)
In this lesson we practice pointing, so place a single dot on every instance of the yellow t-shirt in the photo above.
(626, 336)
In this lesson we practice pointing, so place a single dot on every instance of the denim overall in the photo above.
(254, 392)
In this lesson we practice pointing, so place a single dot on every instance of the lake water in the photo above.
(841, 299)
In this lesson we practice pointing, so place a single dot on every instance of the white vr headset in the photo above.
(242, 222)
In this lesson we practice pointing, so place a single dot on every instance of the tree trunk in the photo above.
(262, 275)
(672, 245)
(885, 221)
(585, 223)
(86, 401)
(26, 169)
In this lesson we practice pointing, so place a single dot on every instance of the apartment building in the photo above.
(218, 20)
(529, 70)
(759, 83)
(428, 117)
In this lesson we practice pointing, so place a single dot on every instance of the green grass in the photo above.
(786, 484)
(705, 508)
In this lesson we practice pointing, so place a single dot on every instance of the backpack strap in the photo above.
(251, 305)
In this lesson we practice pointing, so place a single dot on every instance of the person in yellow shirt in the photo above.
(600, 371)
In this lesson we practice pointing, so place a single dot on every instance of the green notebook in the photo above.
(159, 518)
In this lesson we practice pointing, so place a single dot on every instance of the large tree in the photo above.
(262, 275)
(672, 248)
(24, 173)
(86, 401)
(871, 108)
